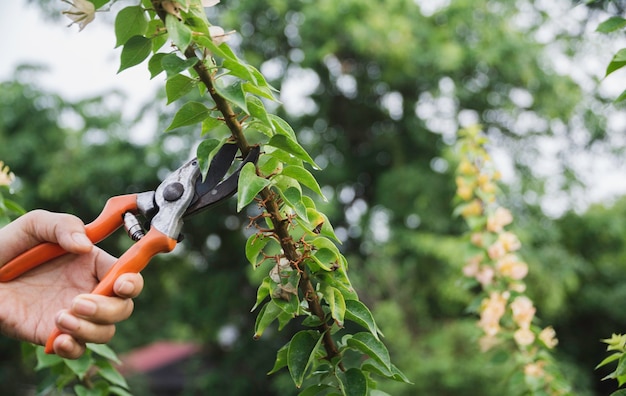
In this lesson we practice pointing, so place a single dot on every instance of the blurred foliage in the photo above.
(376, 92)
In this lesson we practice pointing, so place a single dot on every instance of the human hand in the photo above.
(56, 293)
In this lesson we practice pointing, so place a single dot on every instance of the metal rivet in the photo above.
(173, 191)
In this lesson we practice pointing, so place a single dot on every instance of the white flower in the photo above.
(82, 12)
(218, 35)
(523, 311)
(6, 176)
(209, 3)
(548, 337)
(524, 337)
(511, 266)
(500, 218)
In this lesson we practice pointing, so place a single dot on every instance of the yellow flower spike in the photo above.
(483, 179)
(465, 193)
(466, 168)
(488, 188)
(474, 208)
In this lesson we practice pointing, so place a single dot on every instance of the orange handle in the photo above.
(104, 225)
(134, 260)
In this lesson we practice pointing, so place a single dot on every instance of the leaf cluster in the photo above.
(308, 277)
(93, 374)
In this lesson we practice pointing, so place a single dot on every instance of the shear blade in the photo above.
(213, 189)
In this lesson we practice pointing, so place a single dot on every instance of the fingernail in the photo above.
(81, 239)
(125, 289)
(68, 322)
(84, 307)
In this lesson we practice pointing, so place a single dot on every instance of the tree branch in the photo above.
(281, 223)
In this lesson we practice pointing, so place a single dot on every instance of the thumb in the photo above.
(40, 226)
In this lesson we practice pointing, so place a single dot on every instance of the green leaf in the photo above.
(305, 177)
(105, 351)
(292, 147)
(109, 373)
(205, 152)
(178, 86)
(81, 390)
(173, 65)
(621, 366)
(268, 165)
(79, 366)
(135, 51)
(233, 93)
(254, 247)
(267, 315)
(318, 218)
(206, 42)
(621, 392)
(262, 87)
(376, 367)
(262, 292)
(238, 69)
(358, 313)
(179, 33)
(621, 98)
(116, 390)
(293, 198)
(326, 258)
(211, 124)
(283, 127)
(337, 304)
(281, 359)
(301, 354)
(618, 61)
(355, 383)
(155, 67)
(45, 360)
(612, 24)
(156, 30)
(609, 359)
(249, 185)
(14, 207)
(190, 113)
(371, 346)
(262, 92)
(257, 109)
(325, 243)
(317, 389)
(130, 21)
(339, 279)
(227, 51)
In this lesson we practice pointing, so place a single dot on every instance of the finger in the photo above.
(40, 226)
(83, 330)
(101, 309)
(128, 285)
(67, 347)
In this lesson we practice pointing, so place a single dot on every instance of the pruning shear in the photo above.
(183, 193)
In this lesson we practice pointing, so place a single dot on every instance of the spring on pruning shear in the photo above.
(181, 194)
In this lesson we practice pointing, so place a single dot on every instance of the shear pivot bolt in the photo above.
(173, 191)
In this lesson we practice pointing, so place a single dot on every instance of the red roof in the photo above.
(156, 355)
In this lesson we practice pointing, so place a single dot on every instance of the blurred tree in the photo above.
(377, 92)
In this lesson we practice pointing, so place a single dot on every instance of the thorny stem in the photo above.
(281, 224)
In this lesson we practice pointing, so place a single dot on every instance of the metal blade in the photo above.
(211, 192)
(220, 164)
